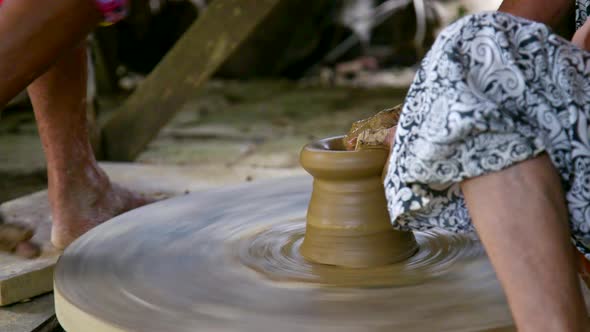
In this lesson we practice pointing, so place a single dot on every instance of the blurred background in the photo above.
(308, 70)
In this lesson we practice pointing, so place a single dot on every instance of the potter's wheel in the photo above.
(227, 260)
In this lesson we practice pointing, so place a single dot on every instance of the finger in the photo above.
(350, 143)
(582, 36)
(390, 138)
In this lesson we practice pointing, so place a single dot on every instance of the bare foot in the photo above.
(85, 204)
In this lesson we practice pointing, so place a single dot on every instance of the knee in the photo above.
(486, 48)
(502, 30)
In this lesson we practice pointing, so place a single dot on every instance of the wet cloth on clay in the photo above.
(494, 90)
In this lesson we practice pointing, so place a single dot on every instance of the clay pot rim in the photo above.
(327, 145)
(320, 161)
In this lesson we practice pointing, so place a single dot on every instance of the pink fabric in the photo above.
(112, 10)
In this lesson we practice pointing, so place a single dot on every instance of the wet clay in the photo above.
(347, 220)
(229, 260)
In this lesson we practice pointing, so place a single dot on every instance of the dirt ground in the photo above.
(259, 124)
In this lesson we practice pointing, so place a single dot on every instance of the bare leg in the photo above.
(35, 34)
(521, 216)
(80, 193)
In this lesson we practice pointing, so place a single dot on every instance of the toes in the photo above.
(14, 238)
(11, 235)
(27, 250)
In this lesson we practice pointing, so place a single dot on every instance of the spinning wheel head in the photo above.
(221, 261)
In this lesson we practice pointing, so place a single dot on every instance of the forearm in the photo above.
(550, 12)
(582, 37)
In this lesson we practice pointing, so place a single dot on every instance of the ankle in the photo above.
(85, 184)
(84, 172)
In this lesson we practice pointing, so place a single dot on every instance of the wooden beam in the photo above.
(215, 35)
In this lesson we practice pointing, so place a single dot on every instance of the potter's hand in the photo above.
(377, 131)
(582, 37)
(390, 138)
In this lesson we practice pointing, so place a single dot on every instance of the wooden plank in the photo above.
(26, 279)
(50, 325)
(21, 278)
(224, 25)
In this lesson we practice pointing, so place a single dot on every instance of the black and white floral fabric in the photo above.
(582, 10)
(494, 90)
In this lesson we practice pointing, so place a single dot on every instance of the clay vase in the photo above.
(347, 219)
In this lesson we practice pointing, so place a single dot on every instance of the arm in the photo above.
(550, 12)
(35, 34)
(582, 37)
